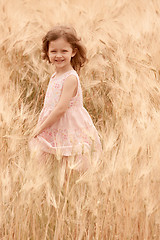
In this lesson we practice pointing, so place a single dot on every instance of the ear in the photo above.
(74, 52)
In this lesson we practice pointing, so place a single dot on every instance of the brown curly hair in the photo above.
(70, 35)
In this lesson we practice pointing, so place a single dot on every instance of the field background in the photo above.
(120, 198)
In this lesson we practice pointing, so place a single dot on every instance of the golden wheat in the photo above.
(119, 198)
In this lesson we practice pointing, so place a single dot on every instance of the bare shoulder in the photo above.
(71, 80)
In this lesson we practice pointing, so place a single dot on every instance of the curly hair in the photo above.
(70, 35)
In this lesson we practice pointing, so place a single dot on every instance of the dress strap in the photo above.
(72, 72)
(53, 74)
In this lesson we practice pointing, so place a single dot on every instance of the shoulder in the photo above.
(71, 80)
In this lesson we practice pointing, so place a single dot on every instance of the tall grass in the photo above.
(120, 198)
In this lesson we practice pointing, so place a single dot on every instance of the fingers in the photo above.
(33, 135)
(36, 132)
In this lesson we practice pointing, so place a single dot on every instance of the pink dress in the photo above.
(75, 133)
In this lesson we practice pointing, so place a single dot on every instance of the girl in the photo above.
(65, 127)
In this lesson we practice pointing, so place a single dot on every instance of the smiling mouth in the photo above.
(59, 61)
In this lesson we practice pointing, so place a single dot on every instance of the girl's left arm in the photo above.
(69, 90)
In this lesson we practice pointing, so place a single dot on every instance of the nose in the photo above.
(58, 55)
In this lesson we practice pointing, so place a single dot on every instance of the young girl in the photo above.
(64, 125)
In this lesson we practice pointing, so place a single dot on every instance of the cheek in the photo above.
(51, 56)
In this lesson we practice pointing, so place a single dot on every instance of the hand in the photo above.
(36, 131)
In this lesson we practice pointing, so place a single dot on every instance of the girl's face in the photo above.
(60, 53)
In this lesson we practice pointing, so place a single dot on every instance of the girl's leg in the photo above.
(81, 163)
(64, 173)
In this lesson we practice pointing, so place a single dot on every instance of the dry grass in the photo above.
(119, 200)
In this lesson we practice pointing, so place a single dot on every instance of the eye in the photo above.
(64, 50)
(53, 51)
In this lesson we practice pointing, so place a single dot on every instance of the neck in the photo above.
(61, 71)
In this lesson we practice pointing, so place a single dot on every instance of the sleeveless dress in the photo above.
(74, 133)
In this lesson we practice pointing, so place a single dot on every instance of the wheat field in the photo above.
(120, 198)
